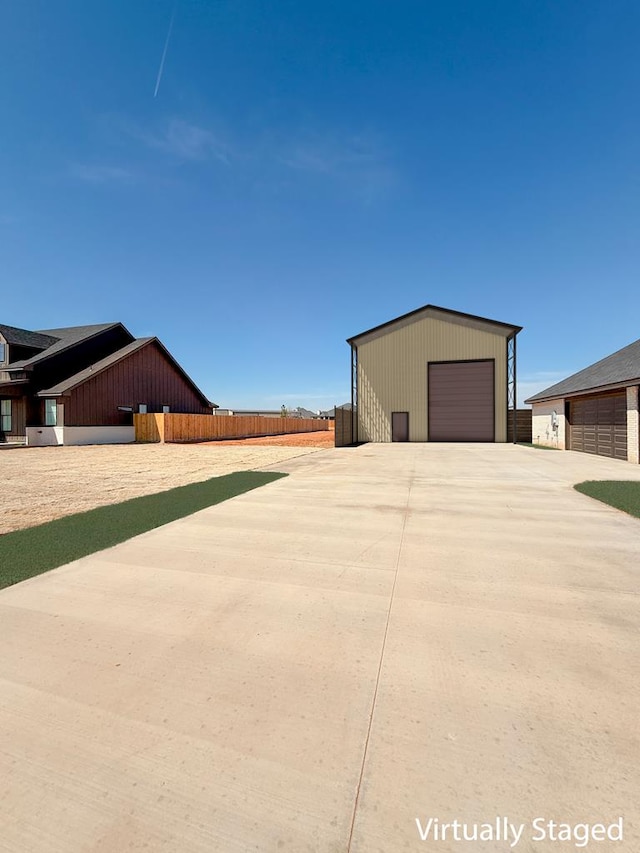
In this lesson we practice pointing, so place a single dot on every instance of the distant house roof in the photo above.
(306, 413)
(62, 339)
(104, 363)
(25, 338)
(270, 413)
(331, 413)
(620, 368)
(472, 320)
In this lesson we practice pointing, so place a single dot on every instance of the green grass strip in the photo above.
(25, 553)
(621, 494)
(536, 446)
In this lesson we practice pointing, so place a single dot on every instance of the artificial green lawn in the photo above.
(621, 494)
(25, 553)
(536, 446)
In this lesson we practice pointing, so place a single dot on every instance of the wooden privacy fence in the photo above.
(344, 427)
(523, 425)
(174, 427)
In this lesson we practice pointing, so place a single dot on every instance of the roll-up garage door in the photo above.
(599, 425)
(461, 401)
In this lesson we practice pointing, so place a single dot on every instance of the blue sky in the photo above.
(310, 170)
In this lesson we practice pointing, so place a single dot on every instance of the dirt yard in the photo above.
(43, 483)
(323, 438)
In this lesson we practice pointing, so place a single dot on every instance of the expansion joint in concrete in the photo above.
(380, 663)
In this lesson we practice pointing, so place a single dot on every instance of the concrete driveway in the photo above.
(392, 632)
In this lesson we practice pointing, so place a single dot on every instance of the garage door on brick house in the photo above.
(599, 425)
(595, 410)
(461, 400)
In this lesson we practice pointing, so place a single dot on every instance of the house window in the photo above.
(5, 415)
(166, 410)
(3, 353)
(50, 413)
(142, 408)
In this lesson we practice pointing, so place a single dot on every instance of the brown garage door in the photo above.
(461, 401)
(599, 425)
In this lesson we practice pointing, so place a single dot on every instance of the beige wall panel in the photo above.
(392, 374)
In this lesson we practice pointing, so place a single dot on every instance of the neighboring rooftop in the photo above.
(306, 413)
(25, 338)
(50, 342)
(620, 368)
(62, 339)
(331, 413)
(94, 369)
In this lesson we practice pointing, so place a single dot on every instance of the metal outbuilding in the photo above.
(434, 375)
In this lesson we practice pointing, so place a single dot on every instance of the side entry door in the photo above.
(399, 426)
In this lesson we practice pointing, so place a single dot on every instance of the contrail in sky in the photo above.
(164, 53)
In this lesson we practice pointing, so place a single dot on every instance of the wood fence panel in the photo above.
(149, 428)
(344, 427)
(173, 427)
(524, 430)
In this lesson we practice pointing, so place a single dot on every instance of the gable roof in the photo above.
(306, 413)
(619, 368)
(435, 311)
(331, 413)
(25, 338)
(65, 338)
(99, 366)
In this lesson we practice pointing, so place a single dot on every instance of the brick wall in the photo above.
(543, 430)
(633, 425)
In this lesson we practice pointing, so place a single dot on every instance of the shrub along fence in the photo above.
(175, 427)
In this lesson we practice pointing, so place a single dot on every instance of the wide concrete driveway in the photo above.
(392, 632)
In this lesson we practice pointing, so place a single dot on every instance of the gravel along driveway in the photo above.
(43, 483)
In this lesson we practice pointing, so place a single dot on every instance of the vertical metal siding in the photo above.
(392, 374)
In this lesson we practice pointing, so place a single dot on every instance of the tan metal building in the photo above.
(434, 375)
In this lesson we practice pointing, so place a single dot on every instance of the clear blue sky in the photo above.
(309, 170)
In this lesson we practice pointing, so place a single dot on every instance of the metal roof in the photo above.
(433, 311)
(619, 368)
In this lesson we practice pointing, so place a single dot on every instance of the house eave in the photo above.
(585, 392)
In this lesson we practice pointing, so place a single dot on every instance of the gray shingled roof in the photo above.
(25, 338)
(94, 369)
(331, 413)
(108, 361)
(620, 368)
(61, 339)
(306, 413)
